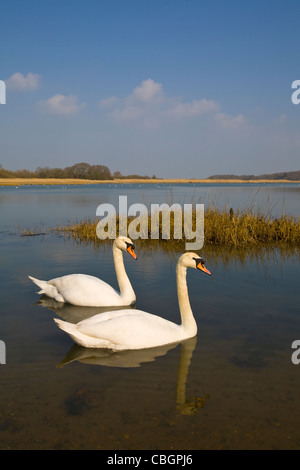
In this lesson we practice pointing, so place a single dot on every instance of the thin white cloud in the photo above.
(147, 91)
(20, 82)
(108, 102)
(193, 108)
(61, 105)
(148, 107)
(142, 107)
(230, 122)
(281, 119)
(128, 113)
(140, 116)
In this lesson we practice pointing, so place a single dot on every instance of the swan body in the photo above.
(90, 291)
(135, 329)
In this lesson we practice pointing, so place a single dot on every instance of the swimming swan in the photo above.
(89, 291)
(134, 329)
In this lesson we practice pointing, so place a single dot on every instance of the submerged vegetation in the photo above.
(240, 229)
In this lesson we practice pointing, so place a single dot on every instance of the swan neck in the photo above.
(187, 318)
(126, 290)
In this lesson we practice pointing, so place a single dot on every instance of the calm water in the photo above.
(232, 387)
(48, 206)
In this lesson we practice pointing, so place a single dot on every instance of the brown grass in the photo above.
(58, 181)
(238, 229)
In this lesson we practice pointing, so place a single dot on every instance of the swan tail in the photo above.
(39, 283)
(69, 328)
(72, 331)
(80, 338)
(47, 289)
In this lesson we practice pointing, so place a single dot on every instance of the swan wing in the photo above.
(85, 290)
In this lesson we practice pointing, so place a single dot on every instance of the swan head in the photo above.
(192, 260)
(125, 244)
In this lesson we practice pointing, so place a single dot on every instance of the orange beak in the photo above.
(203, 268)
(130, 250)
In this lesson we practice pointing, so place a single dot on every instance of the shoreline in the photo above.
(63, 181)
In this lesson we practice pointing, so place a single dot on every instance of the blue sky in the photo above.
(175, 88)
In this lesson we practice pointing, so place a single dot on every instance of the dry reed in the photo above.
(78, 181)
(240, 229)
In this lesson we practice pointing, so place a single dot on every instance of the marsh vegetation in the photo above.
(236, 229)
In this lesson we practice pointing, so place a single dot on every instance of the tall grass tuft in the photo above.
(239, 229)
(245, 228)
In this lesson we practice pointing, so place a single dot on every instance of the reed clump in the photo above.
(239, 229)
(246, 228)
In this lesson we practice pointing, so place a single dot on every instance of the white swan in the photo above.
(89, 291)
(134, 329)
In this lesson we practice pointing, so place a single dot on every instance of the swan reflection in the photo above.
(135, 358)
(74, 313)
(187, 405)
(110, 358)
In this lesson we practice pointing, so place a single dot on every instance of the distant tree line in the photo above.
(118, 175)
(287, 175)
(77, 171)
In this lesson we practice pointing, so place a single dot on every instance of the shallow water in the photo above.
(234, 386)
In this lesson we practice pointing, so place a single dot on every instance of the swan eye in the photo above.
(200, 265)
(130, 249)
(199, 260)
(130, 245)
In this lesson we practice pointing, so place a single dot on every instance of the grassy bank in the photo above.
(240, 229)
(62, 181)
